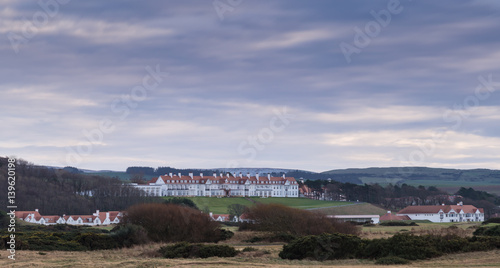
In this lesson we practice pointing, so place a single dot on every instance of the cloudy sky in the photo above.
(314, 85)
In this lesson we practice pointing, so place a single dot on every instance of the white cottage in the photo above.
(444, 213)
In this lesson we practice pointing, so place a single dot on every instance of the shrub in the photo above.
(492, 220)
(282, 237)
(322, 247)
(182, 201)
(187, 250)
(254, 239)
(391, 260)
(279, 218)
(488, 231)
(248, 249)
(128, 235)
(97, 241)
(173, 223)
(225, 234)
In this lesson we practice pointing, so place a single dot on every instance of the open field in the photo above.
(265, 256)
(144, 256)
(302, 203)
(219, 205)
(354, 209)
(464, 229)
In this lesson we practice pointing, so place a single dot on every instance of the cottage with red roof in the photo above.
(448, 213)
(97, 218)
(220, 185)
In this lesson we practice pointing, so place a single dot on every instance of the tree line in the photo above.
(395, 197)
(59, 191)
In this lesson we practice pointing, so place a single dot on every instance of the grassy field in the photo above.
(302, 203)
(219, 205)
(354, 209)
(464, 229)
(145, 256)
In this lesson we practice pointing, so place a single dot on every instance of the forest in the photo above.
(60, 191)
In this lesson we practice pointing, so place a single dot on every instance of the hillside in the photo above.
(419, 176)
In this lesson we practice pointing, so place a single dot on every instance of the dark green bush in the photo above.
(492, 220)
(128, 235)
(406, 246)
(488, 231)
(254, 239)
(282, 237)
(97, 241)
(323, 247)
(225, 234)
(187, 250)
(391, 260)
(248, 249)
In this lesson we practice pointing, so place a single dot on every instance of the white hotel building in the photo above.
(220, 185)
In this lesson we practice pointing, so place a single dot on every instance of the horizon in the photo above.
(313, 86)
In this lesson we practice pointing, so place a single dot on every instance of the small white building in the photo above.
(375, 219)
(444, 213)
(97, 218)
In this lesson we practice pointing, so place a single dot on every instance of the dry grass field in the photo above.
(144, 256)
(265, 256)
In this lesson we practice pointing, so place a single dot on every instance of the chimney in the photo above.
(64, 215)
(36, 209)
(180, 175)
(388, 212)
(107, 215)
(170, 174)
(248, 175)
(227, 174)
(442, 204)
(215, 175)
(284, 177)
(241, 175)
(256, 175)
(201, 175)
(268, 176)
(191, 175)
(211, 214)
(222, 175)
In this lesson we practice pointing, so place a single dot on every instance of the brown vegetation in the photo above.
(169, 223)
(278, 218)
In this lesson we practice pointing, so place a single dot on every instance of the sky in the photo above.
(313, 85)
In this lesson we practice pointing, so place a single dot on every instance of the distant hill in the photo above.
(418, 176)
(439, 177)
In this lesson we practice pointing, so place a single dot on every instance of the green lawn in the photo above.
(302, 203)
(355, 209)
(219, 205)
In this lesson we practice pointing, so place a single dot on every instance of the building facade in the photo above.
(97, 218)
(220, 185)
(444, 213)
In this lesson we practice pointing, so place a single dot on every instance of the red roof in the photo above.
(392, 217)
(175, 179)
